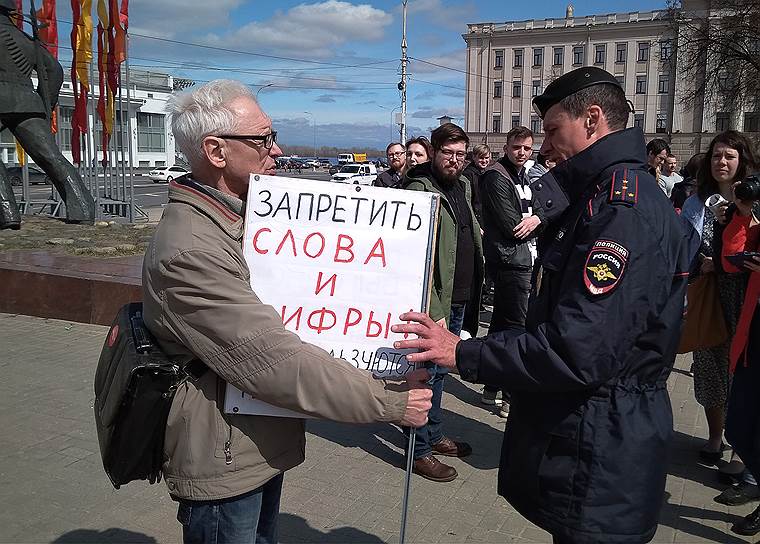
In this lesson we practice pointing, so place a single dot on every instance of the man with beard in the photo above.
(396, 155)
(457, 280)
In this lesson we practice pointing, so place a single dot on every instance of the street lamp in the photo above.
(390, 126)
(314, 119)
(263, 87)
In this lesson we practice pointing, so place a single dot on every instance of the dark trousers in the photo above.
(247, 519)
(432, 432)
(743, 415)
(510, 302)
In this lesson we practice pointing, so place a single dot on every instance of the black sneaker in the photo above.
(742, 493)
(749, 525)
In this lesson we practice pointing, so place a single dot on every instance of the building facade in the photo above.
(510, 63)
(152, 143)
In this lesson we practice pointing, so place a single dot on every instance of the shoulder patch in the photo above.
(624, 188)
(604, 267)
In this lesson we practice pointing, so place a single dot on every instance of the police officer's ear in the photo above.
(214, 151)
(594, 119)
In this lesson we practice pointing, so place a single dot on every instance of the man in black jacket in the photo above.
(585, 449)
(396, 155)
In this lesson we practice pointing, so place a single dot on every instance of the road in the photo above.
(149, 195)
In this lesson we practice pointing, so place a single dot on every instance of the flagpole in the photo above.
(130, 185)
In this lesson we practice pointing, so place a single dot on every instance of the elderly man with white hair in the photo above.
(226, 470)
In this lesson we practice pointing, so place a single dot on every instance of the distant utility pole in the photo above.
(402, 84)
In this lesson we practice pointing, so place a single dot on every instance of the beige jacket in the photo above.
(198, 302)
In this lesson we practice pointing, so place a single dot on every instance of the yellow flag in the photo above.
(20, 154)
(84, 43)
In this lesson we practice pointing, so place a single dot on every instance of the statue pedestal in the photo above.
(73, 288)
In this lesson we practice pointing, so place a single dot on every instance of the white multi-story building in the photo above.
(151, 138)
(509, 63)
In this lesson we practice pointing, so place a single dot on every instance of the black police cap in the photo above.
(570, 83)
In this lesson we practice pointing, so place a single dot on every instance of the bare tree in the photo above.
(718, 51)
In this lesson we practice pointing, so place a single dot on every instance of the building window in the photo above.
(578, 55)
(151, 134)
(498, 61)
(515, 121)
(641, 84)
(496, 123)
(536, 90)
(662, 123)
(516, 89)
(559, 56)
(663, 85)
(64, 126)
(666, 49)
(497, 89)
(752, 122)
(535, 124)
(150, 95)
(643, 55)
(722, 121)
(638, 120)
(621, 80)
(538, 56)
(621, 52)
(600, 54)
(725, 83)
(518, 58)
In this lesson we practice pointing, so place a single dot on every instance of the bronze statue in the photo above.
(26, 113)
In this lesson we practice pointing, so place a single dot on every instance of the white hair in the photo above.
(203, 111)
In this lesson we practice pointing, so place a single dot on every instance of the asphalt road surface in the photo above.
(154, 195)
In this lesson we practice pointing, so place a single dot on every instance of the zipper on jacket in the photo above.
(227, 448)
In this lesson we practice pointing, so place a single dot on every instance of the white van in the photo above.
(357, 174)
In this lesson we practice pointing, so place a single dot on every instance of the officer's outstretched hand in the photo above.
(436, 344)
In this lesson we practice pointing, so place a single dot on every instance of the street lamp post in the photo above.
(314, 120)
(390, 126)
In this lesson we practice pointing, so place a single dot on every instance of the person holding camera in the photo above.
(728, 159)
(743, 418)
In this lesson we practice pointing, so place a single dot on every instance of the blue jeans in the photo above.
(250, 518)
(431, 433)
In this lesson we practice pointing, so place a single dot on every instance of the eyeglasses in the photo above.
(268, 140)
(451, 154)
(396, 154)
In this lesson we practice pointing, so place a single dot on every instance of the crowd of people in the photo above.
(588, 249)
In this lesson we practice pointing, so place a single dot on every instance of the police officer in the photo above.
(25, 112)
(584, 454)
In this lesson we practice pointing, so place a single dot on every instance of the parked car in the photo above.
(325, 163)
(334, 169)
(36, 175)
(167, 174)
(358, 174)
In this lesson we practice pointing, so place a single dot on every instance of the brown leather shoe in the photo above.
(449, 448)
(431, 468)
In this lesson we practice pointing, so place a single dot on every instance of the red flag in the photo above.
(124, 13)
(18, 17)
(105, 111)
(79, 117)
(48, 26)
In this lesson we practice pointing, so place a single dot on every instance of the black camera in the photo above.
(749, 189)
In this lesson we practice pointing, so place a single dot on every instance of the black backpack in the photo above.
(135, 384)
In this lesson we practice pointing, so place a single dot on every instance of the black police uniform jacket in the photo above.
(585, 450)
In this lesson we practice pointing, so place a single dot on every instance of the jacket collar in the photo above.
(570, 180)
(189, 191)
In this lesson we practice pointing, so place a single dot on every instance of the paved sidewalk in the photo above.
(53, 489)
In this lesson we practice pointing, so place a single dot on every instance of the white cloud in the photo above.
(309, 30)
(449, 15)
(427, 113)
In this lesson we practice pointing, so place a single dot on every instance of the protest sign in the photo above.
(339, 263)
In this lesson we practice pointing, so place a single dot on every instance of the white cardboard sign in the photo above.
(339, 263)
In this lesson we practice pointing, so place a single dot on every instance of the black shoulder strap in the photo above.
(624, 187)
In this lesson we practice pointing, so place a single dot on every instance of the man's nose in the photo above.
(275, 151)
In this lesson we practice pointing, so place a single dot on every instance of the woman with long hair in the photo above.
(418, 150)
(729, 159)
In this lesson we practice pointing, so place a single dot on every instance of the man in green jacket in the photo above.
(457, 280)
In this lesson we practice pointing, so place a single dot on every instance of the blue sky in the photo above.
(337, 59)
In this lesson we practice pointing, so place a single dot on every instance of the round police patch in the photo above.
(605, 265)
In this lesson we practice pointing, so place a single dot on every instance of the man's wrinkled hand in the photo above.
(435, 343)
(419, 400)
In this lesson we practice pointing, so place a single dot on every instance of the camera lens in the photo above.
(749, 189)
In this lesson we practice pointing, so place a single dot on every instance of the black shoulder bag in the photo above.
(135, 384)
